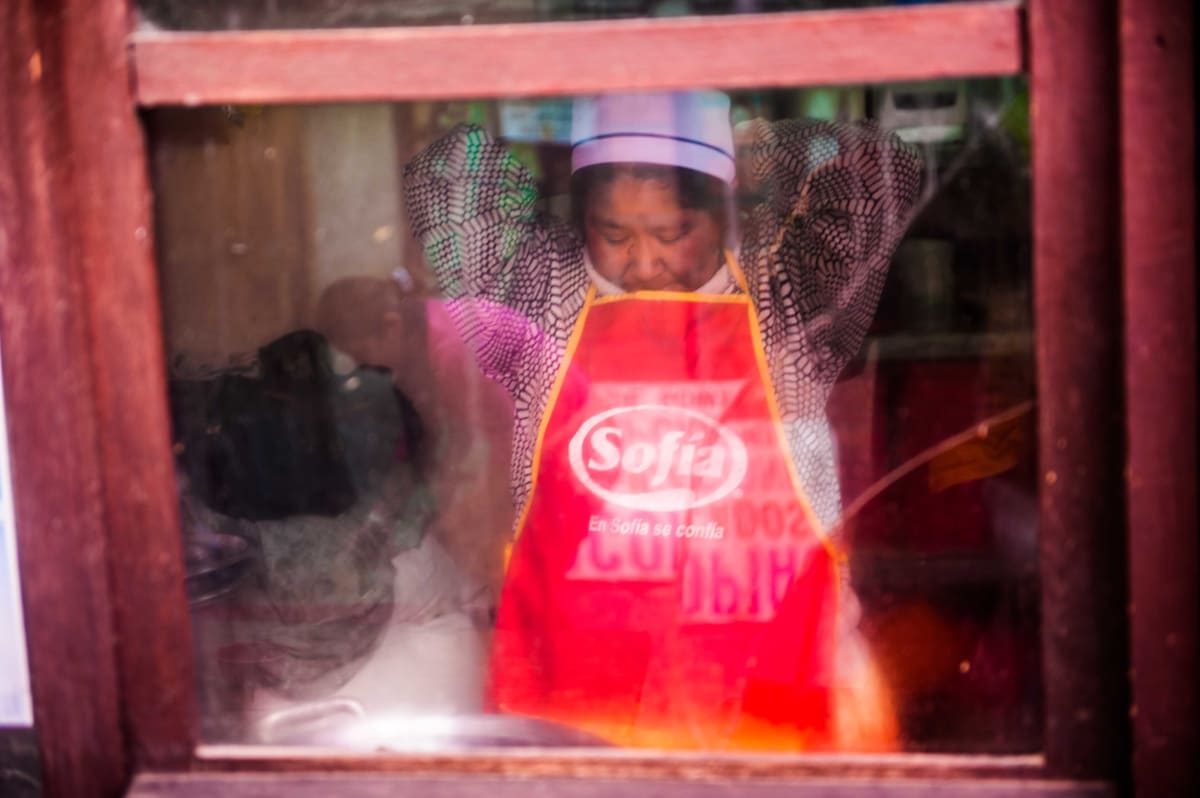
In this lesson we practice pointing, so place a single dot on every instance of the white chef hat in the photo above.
(674, 128)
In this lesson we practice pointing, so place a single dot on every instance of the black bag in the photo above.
(268, 446)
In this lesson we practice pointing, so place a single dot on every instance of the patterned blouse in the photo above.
(831, 203)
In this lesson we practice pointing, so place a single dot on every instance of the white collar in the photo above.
(719, 283)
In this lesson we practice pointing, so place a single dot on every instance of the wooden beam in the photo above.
(114, 230)
(84, 364)
(225, 785)
(608, 763)
(811, 48)
(57, 477)
(1077, 305)
(1158, 175)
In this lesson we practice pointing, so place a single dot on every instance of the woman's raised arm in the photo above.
(473, 208)
(834, 200)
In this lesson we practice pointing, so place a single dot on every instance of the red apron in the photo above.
(669, 585)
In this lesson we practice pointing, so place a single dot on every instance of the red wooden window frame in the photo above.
(812, 48)
(97, 522)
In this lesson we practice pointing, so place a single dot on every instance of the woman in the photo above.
(670, 583)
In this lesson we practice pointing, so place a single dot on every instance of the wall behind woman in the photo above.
(259, 208)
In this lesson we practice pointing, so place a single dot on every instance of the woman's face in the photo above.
(639, 237)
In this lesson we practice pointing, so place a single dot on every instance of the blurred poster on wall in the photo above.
(15, 706)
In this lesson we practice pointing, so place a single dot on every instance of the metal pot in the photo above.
(343, 723)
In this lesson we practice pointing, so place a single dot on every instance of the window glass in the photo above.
(243, 15)
(679, 421)
(16, 708)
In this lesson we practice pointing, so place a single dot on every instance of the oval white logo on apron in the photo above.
(657, 458)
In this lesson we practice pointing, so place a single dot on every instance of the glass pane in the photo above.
(244, 15)
(16, 707)
(682, 421)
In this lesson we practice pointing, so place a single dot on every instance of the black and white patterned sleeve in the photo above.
(473, 208)
(835, 200)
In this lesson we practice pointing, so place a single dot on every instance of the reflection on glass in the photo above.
(244, 15)
(682, 420)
